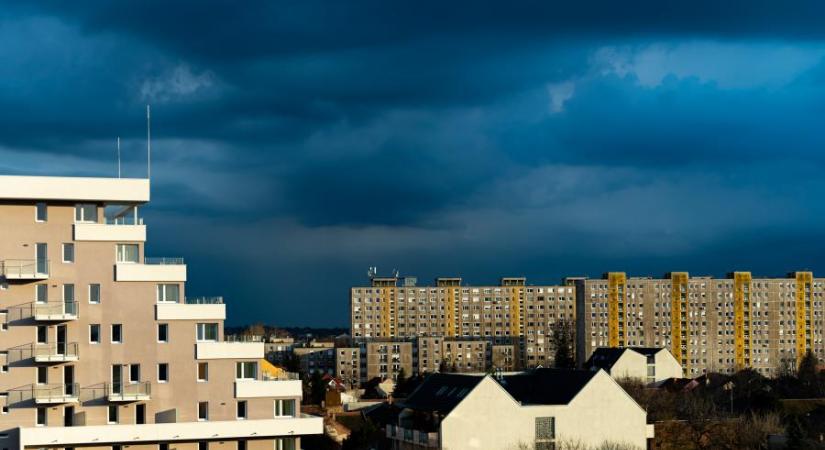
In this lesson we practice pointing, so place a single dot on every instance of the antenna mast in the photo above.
(148, 143)
(118, 156)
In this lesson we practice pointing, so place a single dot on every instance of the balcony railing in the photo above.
(25, 269)
(129, 392)
(203, 300)
(124, 220)
(55, 393)
(421, 438)
(55, 352)
(52, 311)
(243, 338)
(163, 261)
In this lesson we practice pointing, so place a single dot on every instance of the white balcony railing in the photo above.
(25, 269)
(129, 392)
(55, 393)
(55, 352)
(54, 311)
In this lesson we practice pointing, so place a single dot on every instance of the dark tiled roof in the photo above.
(605, 357)
(546, 386)
(441, 392)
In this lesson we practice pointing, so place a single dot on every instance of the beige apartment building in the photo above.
(456, 355)
(512, 313)
(709, 324)
(101, 348)
(385, 360)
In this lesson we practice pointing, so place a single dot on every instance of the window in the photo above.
(241, 444)
(203, 371)
(163, 446)
(168, 293)
(41, 292)
(246, 370)
(41, 214)
(117, 333)
(127, 253)
(134, 373)
(68, 253)
(203, 411)
(285, 444)
(85, 213)
(207, 331)
(68, 293)
(112, 416)
(241, 409)
(163, 332)
(42, 375)
(285, 408)
(203, 446)
(163, 373)
(94, 293)
(545, 433)
(94, 333)
(41, 417)
(42, 334)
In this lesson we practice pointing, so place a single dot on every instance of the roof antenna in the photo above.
(148, 143)
(118, 156)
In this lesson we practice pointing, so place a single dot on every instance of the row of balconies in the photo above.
(50, 394)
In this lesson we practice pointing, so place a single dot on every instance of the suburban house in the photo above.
(537, 409)
(648, 364)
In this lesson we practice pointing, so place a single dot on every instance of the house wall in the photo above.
(488, 418)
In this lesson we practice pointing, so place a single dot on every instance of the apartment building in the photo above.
(453, 355)
(512, 313)
(348, 365)
(385, 360)
(317, 358)
(100, 346)
(646, 364)
(709, 324)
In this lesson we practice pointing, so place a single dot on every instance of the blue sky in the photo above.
(297, 143)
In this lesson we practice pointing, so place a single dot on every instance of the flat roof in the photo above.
(133, 190)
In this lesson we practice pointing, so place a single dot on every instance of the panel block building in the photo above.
(511, 313)
(709, 324)
(101, 347)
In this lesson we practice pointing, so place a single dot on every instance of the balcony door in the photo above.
(42, 257)
(68, 380)
(117, 379)
(60, 348)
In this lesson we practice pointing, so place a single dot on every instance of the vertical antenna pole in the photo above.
(148, 143)
(118, 156)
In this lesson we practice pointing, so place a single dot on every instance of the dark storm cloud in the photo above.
(301, 142)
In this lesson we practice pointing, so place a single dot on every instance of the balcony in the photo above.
(55, 352)
(25, 269)
(268, 388)
(111, 231)
(54, 311)
(129, 392)
(152, 269)
(50, 394)
(200, 308)
(229, 350)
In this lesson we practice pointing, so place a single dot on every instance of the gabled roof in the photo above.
(605, 357)
(546, 386)
(442, 392)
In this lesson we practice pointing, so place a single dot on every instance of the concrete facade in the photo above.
(100, 344)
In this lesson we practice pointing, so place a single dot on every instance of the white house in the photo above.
(648, 364)
(538, 409)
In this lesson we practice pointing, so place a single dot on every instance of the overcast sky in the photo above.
(297, 143)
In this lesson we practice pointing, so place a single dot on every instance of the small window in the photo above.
(127, 253)
(42, 375)
(163, 332)
(285, 408)
(68, 253)
(112, 416)
(203, 371)
(241, 444)
(68, 293)
(163, 373)
(85, 213)
(42, 334)
(117, 333)
(94, 293)
(207, 332)
(41, 213)
(241, 409)
(203, 411)
(163, 446)
(246, 370)
(41, 417)
(94, 333)
(41, 293)
(203, 446)
(134, 373)
(168, 293)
